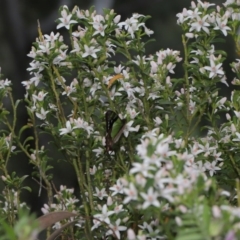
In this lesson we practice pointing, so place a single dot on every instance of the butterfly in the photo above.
(111, 120)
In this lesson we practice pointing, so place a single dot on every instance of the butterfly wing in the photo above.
(120, 131)
(111, 117)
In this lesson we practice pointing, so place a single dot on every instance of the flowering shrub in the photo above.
(132, 132)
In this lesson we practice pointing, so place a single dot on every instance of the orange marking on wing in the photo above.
(113, 79)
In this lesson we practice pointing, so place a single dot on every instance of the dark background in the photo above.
(18, 29)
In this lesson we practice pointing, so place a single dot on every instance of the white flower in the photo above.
(128, 128)
(51, 37)
(36, 79)
(90, 51)
(189, 35)
(131, 234)
(237, 113)
(80, 14)
(238, 137)
(32, 53)
(42, 115)
(205, 5)
(193, 14)
(40, 97)
(69, 89)
(117, 19)
(115, 228)
(87, 82)
(36, 65)
(104, 216)
(216, 211)
(80, 123)
(4, 83)
(44, 47)
(154, 67)
(221, 25)
(170, 67)
(99, 27)
(199, 24)
(52, 106)
(93, 170)
(214, 69)
(100, 193)
(8, 140)
(211, 167)
(150, 198)
(126, 86)
(98, 151)
(142, 168)
(163, 151)
(109, 201)
(131, 25)
(118, 209)
(206, 148)
(148, 228)
(76, 47)
(140, 60)
(148, 31)
(182, 16)
(131, 193)
(140, 180)
(59, 60)
(26, 84)
(178, 221)
(66, 130)
(45, 209)
(153, 96)
(96, 224)
(65, 19)
(132, 112)
(94, 87)
(220, 103)
(128, 23)
(117, 188)
(167, 192)
(182, 184)
(158, 121)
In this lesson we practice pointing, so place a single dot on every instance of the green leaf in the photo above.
(8, 230)
(17, 102)
(206, 217)
(23, 129)
(30, 138)
(27, 188)
(193, 236)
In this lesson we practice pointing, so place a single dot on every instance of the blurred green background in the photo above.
(18, 29)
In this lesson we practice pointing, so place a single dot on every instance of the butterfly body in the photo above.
(111, 118)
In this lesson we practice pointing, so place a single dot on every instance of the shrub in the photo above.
(150, 155)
